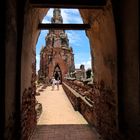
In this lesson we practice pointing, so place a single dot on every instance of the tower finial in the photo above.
(57, 18)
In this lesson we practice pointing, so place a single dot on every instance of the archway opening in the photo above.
(57, 73)
(63, 54)
(103, 82)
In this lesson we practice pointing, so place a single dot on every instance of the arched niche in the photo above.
(57, 73)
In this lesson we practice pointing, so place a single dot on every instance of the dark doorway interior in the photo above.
(57, 73)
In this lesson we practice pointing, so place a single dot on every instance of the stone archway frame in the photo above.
(102, 39)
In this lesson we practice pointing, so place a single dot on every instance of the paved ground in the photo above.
(65, 132)
(59, 121)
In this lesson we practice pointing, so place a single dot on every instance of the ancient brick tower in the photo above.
(56, 58)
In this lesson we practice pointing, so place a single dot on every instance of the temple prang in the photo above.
(56, 57)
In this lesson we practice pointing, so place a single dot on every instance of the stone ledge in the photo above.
(78, 95)
(81, 104)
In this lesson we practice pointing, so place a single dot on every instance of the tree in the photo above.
(88, 73)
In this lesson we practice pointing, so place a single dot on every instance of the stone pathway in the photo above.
(59, 121)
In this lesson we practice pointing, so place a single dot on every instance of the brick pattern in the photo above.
(83, 89)
(80, 104)
(103, 113)
(56, 52)
(47, 65)
(28, 113)
(65, 132)
(73, 99)
(28, 118)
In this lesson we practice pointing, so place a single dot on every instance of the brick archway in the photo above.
(57, 73)
(19, 43)
(104, 46)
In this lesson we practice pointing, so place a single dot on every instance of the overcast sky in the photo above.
(77, 39)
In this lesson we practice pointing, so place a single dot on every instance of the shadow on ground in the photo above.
(65, 132)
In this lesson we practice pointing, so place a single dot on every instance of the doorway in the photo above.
(57, 73)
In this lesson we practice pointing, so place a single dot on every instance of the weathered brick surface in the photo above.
(80, 104)
(103, 112)
(28, 118)
(28, 113)
(65, 132)
(56, 57)
(73, 99)
(87, 111)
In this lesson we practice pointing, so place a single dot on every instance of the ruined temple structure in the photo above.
(114, 96)
(80, 73)
(56, 58)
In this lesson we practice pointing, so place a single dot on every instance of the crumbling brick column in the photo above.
(28, 113)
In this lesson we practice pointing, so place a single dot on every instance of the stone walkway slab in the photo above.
(65, 132)
(57, 108)
(59, 121)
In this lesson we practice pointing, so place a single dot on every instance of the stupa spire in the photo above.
(57, 18)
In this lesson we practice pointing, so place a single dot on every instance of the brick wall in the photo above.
(28, 118)
(28, 115)
(103, 113)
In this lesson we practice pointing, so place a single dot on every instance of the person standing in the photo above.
(53, 83)
(57, 83)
